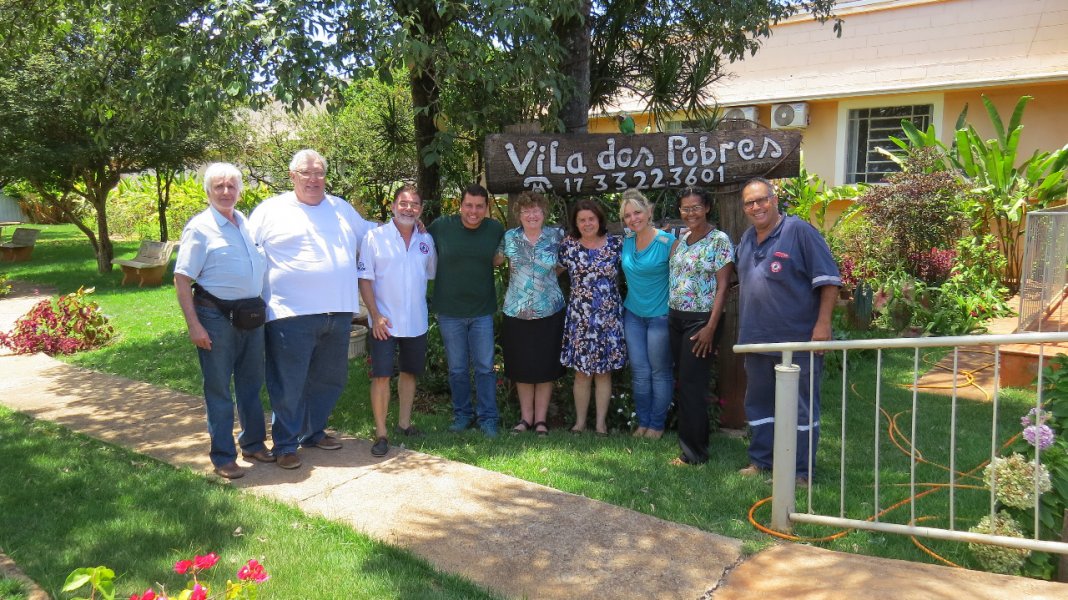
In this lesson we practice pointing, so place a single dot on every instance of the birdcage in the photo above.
(1042, 281)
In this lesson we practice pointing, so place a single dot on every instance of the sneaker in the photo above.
(381, 447)
(489, 428)
(460, 424)
(751, 471)
(230, 471)
(288, 461)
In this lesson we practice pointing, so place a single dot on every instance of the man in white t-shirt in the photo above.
(396, 261)
(311, 240)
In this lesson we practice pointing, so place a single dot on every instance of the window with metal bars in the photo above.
(869, 130)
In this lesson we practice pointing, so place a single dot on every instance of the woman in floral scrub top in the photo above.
(699, 269)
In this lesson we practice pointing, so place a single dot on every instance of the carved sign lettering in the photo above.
(583, 164)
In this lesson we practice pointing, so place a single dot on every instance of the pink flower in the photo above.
(148, 595)
(203, 563)
(199, 593)
(182, 566)
(253, 571)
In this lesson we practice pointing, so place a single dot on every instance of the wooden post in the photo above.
(728, 199)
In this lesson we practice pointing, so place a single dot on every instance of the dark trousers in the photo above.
(760, 409)
(692, 377)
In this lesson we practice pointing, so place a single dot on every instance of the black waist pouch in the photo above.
(245, 313)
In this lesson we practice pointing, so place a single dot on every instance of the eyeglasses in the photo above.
(407, 205)
(530, 212)
(692, 209)
(312, 174)
(755, 202)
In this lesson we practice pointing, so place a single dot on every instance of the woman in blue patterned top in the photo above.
(593, 329)
(533, 311)
(646, 251)
(700, 268)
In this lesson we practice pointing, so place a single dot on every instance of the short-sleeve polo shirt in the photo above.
(399, 276)
(779, 297)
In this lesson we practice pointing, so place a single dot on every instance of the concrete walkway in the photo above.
(516, 538)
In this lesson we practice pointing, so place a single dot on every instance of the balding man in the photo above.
(311, 241)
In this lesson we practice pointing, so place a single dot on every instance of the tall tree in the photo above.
(576, 53)
(91, 91)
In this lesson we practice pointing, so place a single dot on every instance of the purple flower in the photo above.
(1040, 436)
(1038, 414)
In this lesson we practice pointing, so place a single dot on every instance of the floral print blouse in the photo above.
(533, 290)
(692, 274)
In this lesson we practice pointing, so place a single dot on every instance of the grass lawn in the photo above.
(619, 469)
(71, 501)
(11, 589)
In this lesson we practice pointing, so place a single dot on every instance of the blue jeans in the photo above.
(469, 345)
(307, 369)
(237, 355)
(651, 379)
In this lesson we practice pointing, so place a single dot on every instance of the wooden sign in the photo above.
(585, 164)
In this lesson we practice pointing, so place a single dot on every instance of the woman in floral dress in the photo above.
(698, 275)
(593, 328)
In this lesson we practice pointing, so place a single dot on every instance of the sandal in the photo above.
(575, 431)
(541, 432)
(521, 424)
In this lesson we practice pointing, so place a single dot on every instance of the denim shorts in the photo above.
(412, 351)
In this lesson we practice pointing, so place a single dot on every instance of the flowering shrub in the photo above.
(102, 580)
(1014, 480)
(5, 287)
(62, 325)
(932, 266)
(997, 558)
(1043, 434)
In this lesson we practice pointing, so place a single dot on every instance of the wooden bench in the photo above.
(148, 266)
(20, 247)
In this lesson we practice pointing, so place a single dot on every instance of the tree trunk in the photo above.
(425, 94)
(574, 34)
(98, 184)
(163, 200)
(425, 24)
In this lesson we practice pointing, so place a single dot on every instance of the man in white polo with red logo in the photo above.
(396, 261)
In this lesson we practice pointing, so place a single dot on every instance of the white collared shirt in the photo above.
(399, 275)
(221, 256)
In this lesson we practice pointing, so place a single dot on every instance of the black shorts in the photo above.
(412, 355)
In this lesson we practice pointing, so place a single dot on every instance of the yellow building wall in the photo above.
(1045, 119)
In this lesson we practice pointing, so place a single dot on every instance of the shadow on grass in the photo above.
(71, 501)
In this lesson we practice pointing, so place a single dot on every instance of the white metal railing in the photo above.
(784, 463)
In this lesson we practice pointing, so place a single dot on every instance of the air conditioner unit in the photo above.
(740, 113)
(789, 116)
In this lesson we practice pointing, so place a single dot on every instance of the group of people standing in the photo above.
(308, 254)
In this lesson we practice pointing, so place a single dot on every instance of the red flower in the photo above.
(148, 595)
(203, 563)
(253, 571)
(199, 593)
(182, 566)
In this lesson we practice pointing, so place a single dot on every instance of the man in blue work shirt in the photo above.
(788, 285)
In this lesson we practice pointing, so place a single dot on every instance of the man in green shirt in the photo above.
(465, 299)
